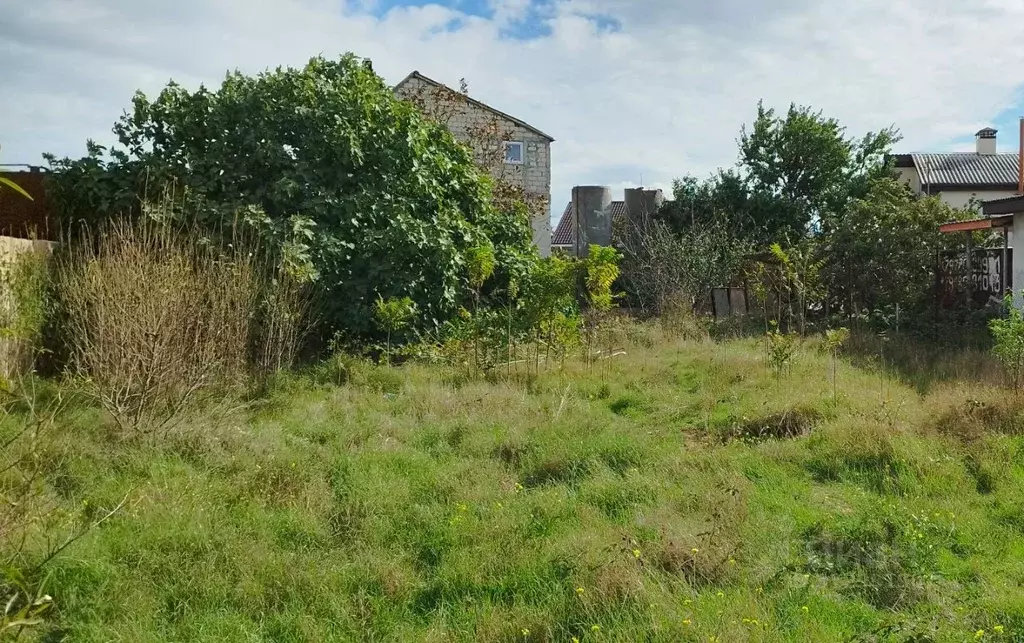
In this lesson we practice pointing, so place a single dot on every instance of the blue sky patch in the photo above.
(480, 8)
(534, 24)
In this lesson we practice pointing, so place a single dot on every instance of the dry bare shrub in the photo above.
(667, 272)
(975, 417)
(155, 317)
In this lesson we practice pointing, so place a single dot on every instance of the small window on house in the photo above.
(514, 152)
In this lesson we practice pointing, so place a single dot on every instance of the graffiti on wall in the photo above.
(978, 284)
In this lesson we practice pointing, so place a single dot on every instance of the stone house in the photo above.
(515, 151)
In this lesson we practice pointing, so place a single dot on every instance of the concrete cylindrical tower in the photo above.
(592, 214)
(641, 204)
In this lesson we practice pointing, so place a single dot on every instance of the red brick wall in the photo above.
(21, 217)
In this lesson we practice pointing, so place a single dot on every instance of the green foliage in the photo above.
(781, 348)
(797, 174)
(393, 315)
(539, 321)
(794, 279)
(835, 338)
(831, 202)
(809, 169)
(882, 252)
(25, 310)
(601, 269)
(480, 260)
(721, 201)
(389, 202)
(1008, 342)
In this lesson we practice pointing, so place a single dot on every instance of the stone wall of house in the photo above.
(534, 174)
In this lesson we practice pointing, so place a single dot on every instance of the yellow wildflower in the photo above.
(579, 591)
(979, 634)
(998, 629)
(687, 621)
(526, 632)
(636, 553)
(595, 628)
(804, 608)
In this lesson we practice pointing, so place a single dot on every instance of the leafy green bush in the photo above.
(781, 347)
(1008, 335)
(394, 204)
(393, 315)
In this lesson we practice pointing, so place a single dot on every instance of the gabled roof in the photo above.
(963, 170)
(417, 75)
(565, 232)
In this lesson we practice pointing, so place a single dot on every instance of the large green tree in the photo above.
(882, 252)
(804, 170)
(389, 203)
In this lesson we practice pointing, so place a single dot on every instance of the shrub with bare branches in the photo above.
(158, 318)
(664, 271)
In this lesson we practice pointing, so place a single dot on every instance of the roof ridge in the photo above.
(478, 103)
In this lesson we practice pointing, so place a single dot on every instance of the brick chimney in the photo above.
(985, 141)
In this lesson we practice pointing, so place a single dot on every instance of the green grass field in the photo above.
(679, 492)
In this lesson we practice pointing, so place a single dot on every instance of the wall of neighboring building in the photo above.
(954, 198)
(534, 174)
(1017, 278)
(959, 199)
(909, 176)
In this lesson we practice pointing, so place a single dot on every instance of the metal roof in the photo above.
(1009, 205)
(473, 101)
(565, 232)
(967, 170)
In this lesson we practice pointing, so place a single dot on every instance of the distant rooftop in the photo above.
(964, 170)
(430, 81)
(565, 233)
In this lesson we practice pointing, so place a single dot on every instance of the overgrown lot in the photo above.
(681, 491)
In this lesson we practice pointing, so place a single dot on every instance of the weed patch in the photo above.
(632, 406)
(788, 424)
(556, 471)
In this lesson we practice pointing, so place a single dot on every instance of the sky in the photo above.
(632, 90)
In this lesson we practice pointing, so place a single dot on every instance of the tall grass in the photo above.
(682, 493)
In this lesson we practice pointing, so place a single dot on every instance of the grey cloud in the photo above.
(669, 91)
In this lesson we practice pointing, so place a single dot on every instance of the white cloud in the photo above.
(663, 94)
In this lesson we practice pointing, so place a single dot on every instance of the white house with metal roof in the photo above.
(960, 177)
